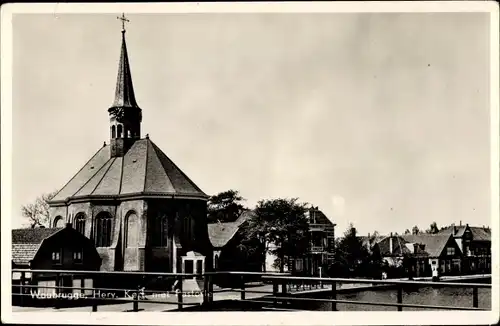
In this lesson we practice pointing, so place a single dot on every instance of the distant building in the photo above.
(320, 253)
(475, 243)
(434, 251)
(54, 249)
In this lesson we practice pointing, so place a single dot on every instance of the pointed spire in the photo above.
(124, 94)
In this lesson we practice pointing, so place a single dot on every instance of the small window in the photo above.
(56, 257)
(450, 251)
(77, 256)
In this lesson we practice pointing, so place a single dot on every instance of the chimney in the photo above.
(454, 228)
(368, 235)
(415, 248)
(390, 243)
(460, 222)
(422, 246)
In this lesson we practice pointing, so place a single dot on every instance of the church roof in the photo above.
(143, 170)
(124, 93)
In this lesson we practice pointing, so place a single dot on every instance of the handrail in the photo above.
(284, 280)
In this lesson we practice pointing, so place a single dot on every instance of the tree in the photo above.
(415, 230)
(433, 228)
(282, 228)
(350, 253)
(225, 207)
(407, 231)
(37, 212)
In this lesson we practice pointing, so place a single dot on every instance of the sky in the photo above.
(380, 119)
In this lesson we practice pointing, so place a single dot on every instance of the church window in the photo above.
(80, 223)
(132, 231)
(120, 130)
(160, 232)
(113, 132)
(58, 222)
(103, 230)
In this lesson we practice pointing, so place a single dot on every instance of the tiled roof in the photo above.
(221, 233)
(434, 243)
(399, 247)
(478, 233)
(26, 242)
(144, 169)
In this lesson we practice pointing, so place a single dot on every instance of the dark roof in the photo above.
(143, 170)
(478, 233)
(124, 94)
(434, 243)
(26, 242)
(221, 233)
(399, 247)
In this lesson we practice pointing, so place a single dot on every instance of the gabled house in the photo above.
(53, 249)
(226, 239)
(475, 243)
(437, 252)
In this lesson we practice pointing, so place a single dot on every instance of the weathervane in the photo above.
(123, 19)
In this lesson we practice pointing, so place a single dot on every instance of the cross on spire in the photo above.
(123, 19)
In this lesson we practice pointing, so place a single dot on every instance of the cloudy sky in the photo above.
(381, 120)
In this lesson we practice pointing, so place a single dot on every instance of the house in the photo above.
(54, 249)
(434, 252)
(226, 239)
(231, 251)
(320, 253)
(475, 243)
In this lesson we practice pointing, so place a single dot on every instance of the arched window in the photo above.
(80, 223)
(103, 230)
(160, 232)
(132, 231)
(58, 222)
(120, 130)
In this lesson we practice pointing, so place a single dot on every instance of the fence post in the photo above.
(21, 289)
(179, 293)
(475, 301)
(275, 290)
(334, 296)
(210, 289)
(135, 307)
(205, 289)
(242, 287)
(400, 297)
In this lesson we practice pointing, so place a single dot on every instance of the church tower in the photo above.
(125, 116)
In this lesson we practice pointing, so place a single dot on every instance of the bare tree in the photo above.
(37, 212)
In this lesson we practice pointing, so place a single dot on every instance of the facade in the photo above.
(475, 243)
(142, 212)
(54, 249)
(436, 254)
(230, 251)
(321, 247)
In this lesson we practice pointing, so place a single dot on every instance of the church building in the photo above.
(141, 211)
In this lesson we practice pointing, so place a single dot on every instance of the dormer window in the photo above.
(56, 257)
(77, 256)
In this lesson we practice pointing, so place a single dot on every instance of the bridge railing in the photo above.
(288, 289)
(48, 288)
(283, 292)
